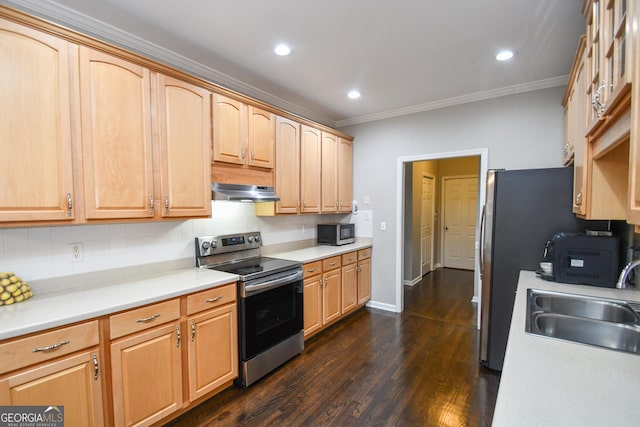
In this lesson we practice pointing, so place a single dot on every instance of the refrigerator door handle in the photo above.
(481, 255)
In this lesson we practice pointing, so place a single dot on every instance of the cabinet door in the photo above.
(117, 156)
(329, 166)
(312, 304)
(349, 288)
(146, 375)
(229, 130)
(262, 132)
(577, 130)
(364, 281)
(36, 182)
(345, 175)
(310, 153)
(616, 50)
(331, 295)
(213, 350)
(595, 78)
(73, 382)
(184, 115)
(287, 165)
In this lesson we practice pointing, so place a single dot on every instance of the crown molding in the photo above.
(62, 15)
(457, 100)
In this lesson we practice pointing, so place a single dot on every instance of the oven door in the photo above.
(270, 311)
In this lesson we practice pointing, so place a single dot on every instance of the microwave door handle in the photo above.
(261, 287)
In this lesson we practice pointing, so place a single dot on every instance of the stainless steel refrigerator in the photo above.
(523, 209)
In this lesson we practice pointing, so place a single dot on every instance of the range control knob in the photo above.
(214, 243)
(250, 239)
(257, 238)
(206, 245)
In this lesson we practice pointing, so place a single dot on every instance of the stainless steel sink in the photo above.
(608, 323)
(592, 308)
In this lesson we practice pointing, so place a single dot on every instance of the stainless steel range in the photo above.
(270, 316)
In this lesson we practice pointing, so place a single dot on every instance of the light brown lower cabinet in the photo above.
(349, 282)
(212, 349)
(57, 368)
(331, 290)
(312, 295)
(146, 375)
(364, 275)
(334, 287)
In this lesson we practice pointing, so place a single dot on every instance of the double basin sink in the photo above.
(608, 323)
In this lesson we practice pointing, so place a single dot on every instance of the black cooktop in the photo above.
(253, 268)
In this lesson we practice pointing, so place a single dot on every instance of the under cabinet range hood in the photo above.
(243, 193)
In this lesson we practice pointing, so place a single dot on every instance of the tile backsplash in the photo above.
(43, 252)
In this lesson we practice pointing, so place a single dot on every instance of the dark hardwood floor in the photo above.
(376, 368)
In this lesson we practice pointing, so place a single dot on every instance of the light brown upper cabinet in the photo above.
(287, 165)
(243, 134)
(262, 131)
(36, 183)
(345, 174)
(118, 143)
(310, 154)
(117, 154)
(184, 116)
(337, 174)
(330, 201)
(608, 57)
(575, 106)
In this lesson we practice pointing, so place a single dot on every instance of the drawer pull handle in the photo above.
(96, 369)
(332, 264)
(148, 319)
(50, 347)
(216, 299)
(311, 270)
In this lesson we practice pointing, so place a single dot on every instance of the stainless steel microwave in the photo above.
(336, 234)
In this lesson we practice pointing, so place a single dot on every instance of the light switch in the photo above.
(383, 226)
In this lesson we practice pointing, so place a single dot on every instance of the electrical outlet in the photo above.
(383, 226)
(76, 252)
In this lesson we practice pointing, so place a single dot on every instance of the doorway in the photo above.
(404, 169)
(426, 223)
(459, 207)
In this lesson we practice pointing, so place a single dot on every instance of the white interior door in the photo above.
(426, 225)
(459, 228)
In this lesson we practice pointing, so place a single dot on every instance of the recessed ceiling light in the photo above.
(353, 94)
(505, 55)
(282, 50)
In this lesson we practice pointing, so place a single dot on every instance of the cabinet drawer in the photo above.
(48, 345)
(143, 318)
(349, 258)
(331, 263)
(312, 268)
(364, 254)
(211, 298)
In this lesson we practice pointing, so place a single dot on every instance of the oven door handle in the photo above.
(271, 284)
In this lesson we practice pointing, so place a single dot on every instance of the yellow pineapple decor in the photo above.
(13, 290)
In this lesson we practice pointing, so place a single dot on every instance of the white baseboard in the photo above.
(383, 306)
(413, 282)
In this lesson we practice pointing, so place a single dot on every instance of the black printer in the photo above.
(585, 260)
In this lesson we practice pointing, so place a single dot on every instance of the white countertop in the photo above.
(315, 253)
(92, 295)
(548, 382)
(48, 310)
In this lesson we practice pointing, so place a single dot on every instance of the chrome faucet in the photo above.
(624, 274)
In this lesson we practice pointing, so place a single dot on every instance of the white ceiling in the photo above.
(403, 55)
